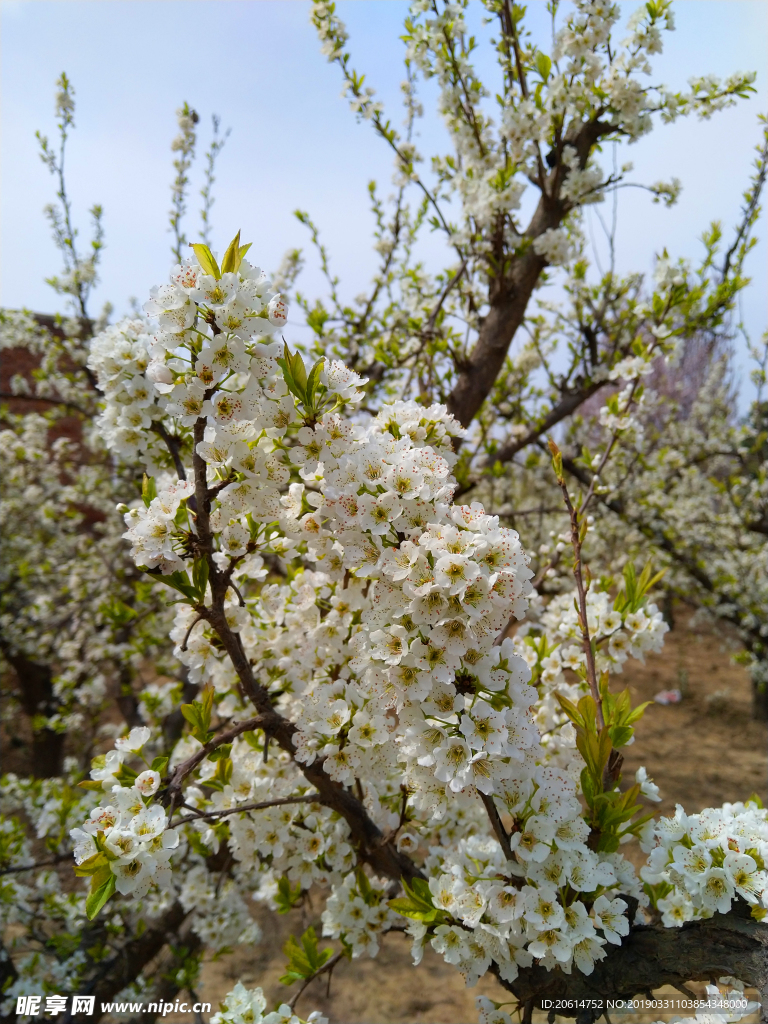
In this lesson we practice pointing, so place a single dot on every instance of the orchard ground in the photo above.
(702, 752)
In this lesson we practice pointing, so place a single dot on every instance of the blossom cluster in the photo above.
(372, 612)
(557, 902)
(700, 863)
(247, 1006)
(130, 830)
(550, 643)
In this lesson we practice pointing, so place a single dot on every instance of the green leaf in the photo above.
(92, 865)
(207, 704)
(118, 612)
(253, 741)
(241, 253)
(657, 892)
(543, 65)
(176, 580)
(752, 852)
(313, 380)
(198, 714)
(192, 714)
(620, 735)
(99, 894)
(407, 907)
(220, 752)
(364, 887)
(417, 903)
(588, 787)
(159, 764)
(570, 710)
(231, 260)
(125, 774)
(304, 960)
(200, 570)
(222, 776)
(638, 712)
(287, 895)
(207, 260)
(90, 784)
(148, 489)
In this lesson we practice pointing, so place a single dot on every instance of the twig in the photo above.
(497, 824)
(429, 327)
(685, 990)
(392, 834)
(308, 798)
(32, 867)
(213, 491)
(581, 591)
(750, 210)
(200, 618)
(40, 398)
(325, 969)
(183, 770)
(173, 444)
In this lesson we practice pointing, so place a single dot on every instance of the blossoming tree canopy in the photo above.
(362, 721)
(339, 669)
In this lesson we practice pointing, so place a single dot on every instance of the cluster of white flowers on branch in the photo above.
(365, 717)
(329, 585)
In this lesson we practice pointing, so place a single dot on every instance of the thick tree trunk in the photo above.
(498, 328)
(166, 970)
(8, 975)
(35, 690)
(110, 976)
(510, 293)
(760, 701)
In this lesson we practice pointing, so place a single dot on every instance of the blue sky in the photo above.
(294, 142)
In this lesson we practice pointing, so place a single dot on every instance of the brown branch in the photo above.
(173, 789)
(40, 398)
(510, 294)
(173, 444)
(40, 864)
(497, 825)
(114, 973)
(213, 491)
(581, 590)
(365, 834)
(38, 698)
(429, 327)
(751, 635)
(8, 975)
(309, 798)
(568, 404)
(750, 210)
(167, 970)
(651, 956)
(325, 969)
(185, 641)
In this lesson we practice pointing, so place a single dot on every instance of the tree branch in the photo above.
(651, 956)
(325, 969)
(509, 295)
(173, 444)
(310, 798)
(569, 402)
